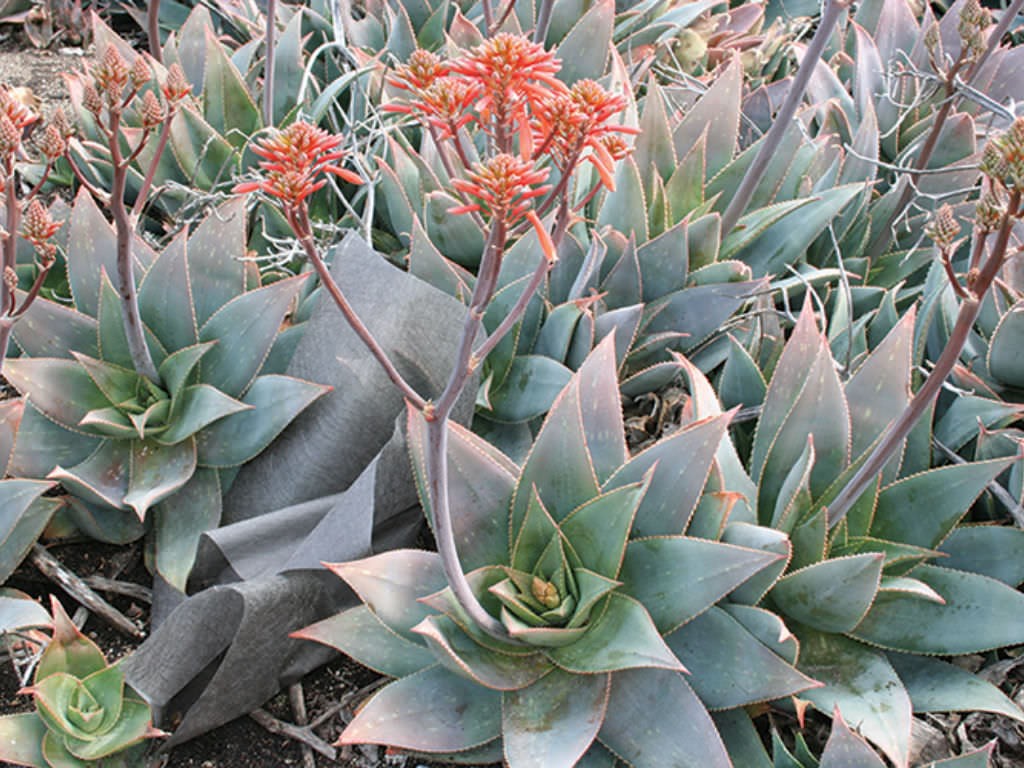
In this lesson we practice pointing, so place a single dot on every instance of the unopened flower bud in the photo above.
(38, 226)
(10, 279)
(60, 121)
(52, 145)
(152, 110)
(989, 212)
(1003, 157)
(972, 17)
(92, 100)
(943, 228)
(10, 136)
(141, 73)
(113, 72)
(545, 593)
(176, 87)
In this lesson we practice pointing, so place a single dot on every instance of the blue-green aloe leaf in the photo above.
(24, 513)
(996, 551)
(923, 508)
(245, 329)
(676, 578)
(584, 50)
(732, 668)
(216, 271)
(937, 686)
(480, 479)
(391, 583)
(529, 388)
(359, 633)
(680, 463)
(845, 749)
(833, 595)
(157, 471)
(655, 719)
(178, 522)
(861, 682)
(49, 329)
(176, 370)
(198, 406)
(979, 614)
(491, 669)
(555, 720)
(59, 389)
(426, 712)
(165, 297)
(102, 478)
(624, 636)
(21, 740)
(597, 530)
(273, 402)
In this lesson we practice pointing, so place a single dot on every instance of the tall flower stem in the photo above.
(269, 63)
(299, 221)
(925, 396)
(745, 191)
(153, 31)
(437, 435)
(880, 238)
(142, 358)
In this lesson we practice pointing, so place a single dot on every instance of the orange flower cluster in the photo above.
(506, 185)
(507, 86)
(580, 124)
(294, 158)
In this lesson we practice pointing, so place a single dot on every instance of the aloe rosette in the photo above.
(84, 714)
(581, 555)
(875, 597)
(136, 454)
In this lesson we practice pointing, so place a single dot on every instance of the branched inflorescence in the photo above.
(25, 213)
(502, 101)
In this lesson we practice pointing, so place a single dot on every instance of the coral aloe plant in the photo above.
(137, 454)
(581, 555)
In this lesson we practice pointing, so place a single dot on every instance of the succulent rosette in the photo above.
(581, 555)
(85, 715)
(138, 455)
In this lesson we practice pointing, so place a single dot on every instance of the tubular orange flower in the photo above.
(505, 185)
(512, 72)
(419, 73)
(580, 120)
(293, 159)
(20, 115)
(444, 104)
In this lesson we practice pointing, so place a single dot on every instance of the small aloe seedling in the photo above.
(85, 715)
(580, 554)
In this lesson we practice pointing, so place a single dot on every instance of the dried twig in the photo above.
(301, 734)
(298, 702)
(75, 586)
(125, 588)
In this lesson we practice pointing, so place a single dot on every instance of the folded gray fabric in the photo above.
(335, 486)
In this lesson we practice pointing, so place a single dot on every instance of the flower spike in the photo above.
(293, 158)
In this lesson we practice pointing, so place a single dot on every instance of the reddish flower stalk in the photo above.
(294, 160)
(26, 214)
(505, 87)
(505, 187)
(1004, 167)
(111, 87)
